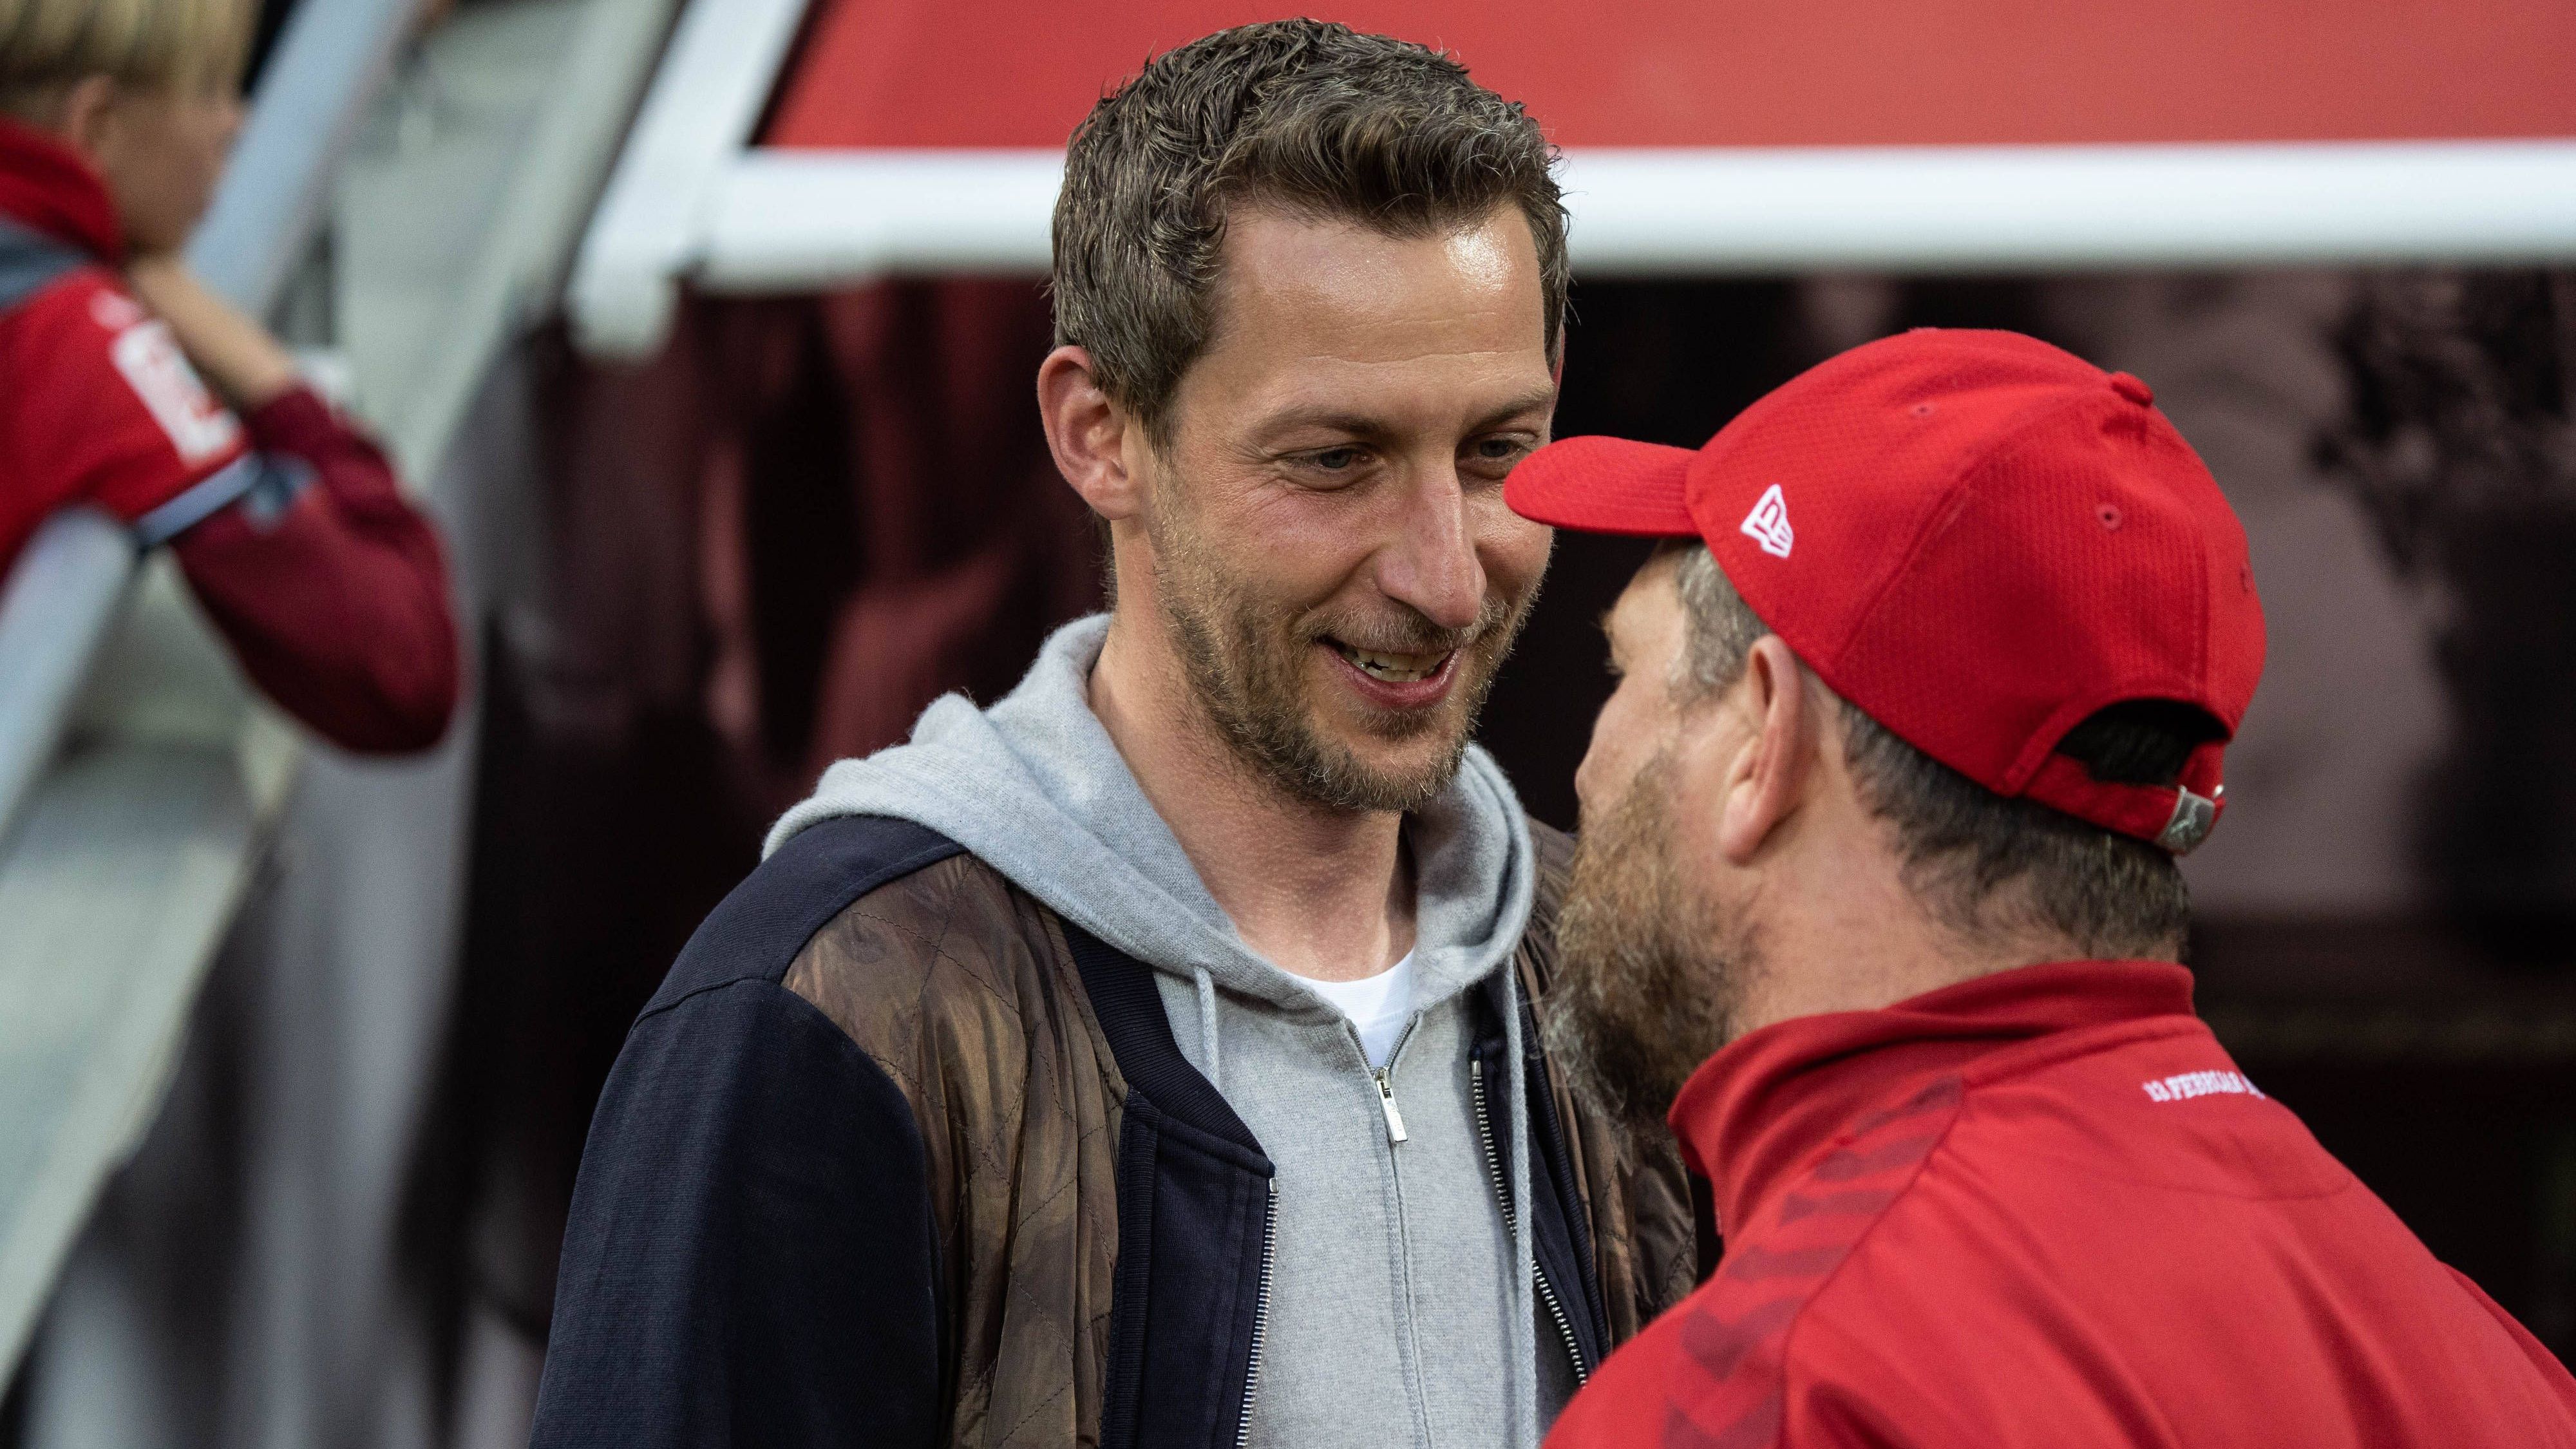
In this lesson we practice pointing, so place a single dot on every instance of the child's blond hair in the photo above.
(46, 46)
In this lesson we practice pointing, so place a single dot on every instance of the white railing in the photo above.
(71, 578)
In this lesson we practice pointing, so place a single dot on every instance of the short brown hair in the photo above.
(1961, 843)
(1303, 114)
(46, 45)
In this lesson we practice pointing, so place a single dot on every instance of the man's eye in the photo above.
(1334, 460)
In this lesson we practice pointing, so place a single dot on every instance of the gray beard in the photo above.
(1651, 979)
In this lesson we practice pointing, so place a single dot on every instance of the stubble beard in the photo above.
(1246, 670)
(1652, 977)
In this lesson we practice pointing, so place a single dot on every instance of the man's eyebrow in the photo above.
(1541, 399)
(1362, 425)
(1358, 425)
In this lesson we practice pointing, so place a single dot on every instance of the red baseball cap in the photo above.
(1977, 539)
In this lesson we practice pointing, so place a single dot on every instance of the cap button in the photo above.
(2132, 389)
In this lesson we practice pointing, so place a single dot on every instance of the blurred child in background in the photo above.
(115, 119)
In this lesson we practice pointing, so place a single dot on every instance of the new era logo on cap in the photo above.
(1768, 523)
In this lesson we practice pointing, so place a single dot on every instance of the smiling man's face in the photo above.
(1330, 551)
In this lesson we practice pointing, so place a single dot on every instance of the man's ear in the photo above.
(1767, 778)
(1087, 432)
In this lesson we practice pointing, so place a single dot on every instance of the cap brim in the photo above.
(1605, 485)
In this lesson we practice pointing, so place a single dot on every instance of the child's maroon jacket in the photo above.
(2043, 1208)
(330, 588)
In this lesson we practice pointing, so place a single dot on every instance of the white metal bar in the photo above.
(57, 605)
(2039, 208)
(797, 220)
(129, 858)
(792, 220)
(330, 62)
(651, 225)
(515, 279)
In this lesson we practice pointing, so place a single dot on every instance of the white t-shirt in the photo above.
(1377, 1005)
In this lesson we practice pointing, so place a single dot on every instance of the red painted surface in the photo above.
(1793, 72)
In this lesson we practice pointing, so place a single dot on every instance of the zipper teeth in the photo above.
(1260, 1316)
(1564, 1326)
(1511, 1220)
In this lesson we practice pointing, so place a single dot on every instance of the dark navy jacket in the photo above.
(752, 1260)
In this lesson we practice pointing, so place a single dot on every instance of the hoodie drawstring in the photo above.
(1524, 1384)
(1215, 1071)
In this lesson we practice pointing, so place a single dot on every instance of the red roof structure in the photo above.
(782, 150)
(876, 74)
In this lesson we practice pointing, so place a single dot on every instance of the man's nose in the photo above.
(1431, 562)
(1587, 776)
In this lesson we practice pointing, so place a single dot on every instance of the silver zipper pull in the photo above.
(1386, 1099)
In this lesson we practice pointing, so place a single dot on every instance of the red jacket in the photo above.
(330, 588)
(2043, 1208)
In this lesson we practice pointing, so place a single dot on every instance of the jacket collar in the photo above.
(45, 185)
(1775, 1097)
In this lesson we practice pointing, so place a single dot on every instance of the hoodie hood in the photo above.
(1035, 788)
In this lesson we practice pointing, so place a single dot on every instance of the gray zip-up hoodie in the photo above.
(1402, 1310)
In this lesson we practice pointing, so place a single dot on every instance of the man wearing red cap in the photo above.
(1876, 902)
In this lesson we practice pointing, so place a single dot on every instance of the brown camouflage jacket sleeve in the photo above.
(961, 989)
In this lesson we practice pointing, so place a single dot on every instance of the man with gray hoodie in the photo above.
(1153, 1057)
